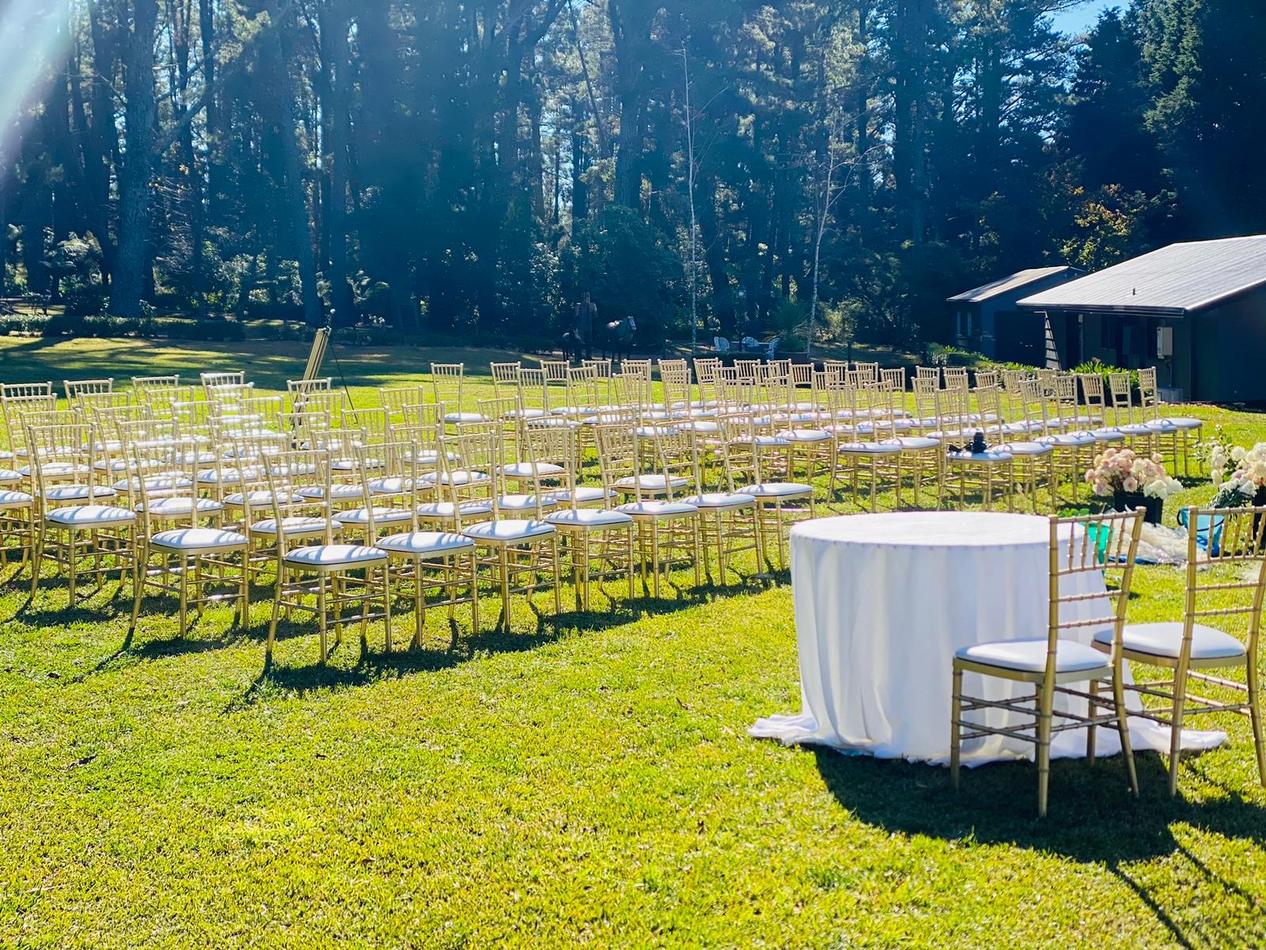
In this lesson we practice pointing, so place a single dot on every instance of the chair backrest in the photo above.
(1149, 393)
(928, 372)
(1085, 554)
(956, 377)
(75, 388)
(216, 380)
(895, 378)
(1226, 572)
(300, 483)
(1092, 392)
(1121, 396)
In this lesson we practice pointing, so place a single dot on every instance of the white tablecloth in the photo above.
(883, 602)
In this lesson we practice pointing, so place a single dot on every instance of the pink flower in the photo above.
(1131, 484)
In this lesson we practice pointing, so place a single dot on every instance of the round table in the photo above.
(882, 603)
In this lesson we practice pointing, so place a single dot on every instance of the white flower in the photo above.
(1237, 453)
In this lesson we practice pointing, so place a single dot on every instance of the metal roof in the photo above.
(1015, 281)
(1176, 280)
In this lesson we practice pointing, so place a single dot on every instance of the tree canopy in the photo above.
(471, 167)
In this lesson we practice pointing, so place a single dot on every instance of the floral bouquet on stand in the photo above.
(1246, 485)
(1131, 481)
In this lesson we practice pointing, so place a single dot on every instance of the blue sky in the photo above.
(1083, 16)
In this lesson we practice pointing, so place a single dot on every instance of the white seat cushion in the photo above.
(717, 499)
(10, 476)
(869, 448)
(294, 526)
(199, 539)
(1108, 435)
(781, 490)
(918, 443)
(360, 516)
(179, 507)
(530, 470)
(658, 509)
(1076, 440)
(155, 484)
(990, 456)
(585, 495)
(15, 499)
(508, 531)
(1183, 422)
(446, 509)
(227, 476)
(337, 492)
(424, 544)
(1029, 449)
(77, 493)
(258, 499)
(652, 483)
(459, 477)
(396, 485)
(1029, 656)
(588, 518)
(525, 502)
(1165, 640)
(464, 417)
(330, 557)
(90, 516)
(810, 436)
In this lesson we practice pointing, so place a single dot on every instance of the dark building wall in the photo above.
(1229, 351)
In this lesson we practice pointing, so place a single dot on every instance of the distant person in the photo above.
(586, 318)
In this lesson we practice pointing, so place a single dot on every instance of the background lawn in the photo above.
(583, 778)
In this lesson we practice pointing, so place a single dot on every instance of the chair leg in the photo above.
(1046, 702)
(1175, 729)
(323, 617)
(1123, 727)
(956, 730)
(1092, 731)
(385, 591)
(1255, 714)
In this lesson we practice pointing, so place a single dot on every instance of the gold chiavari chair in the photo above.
(75, 389)
(956, 377)
(16, 400)
(299, 391)
(214, 380)
(1081, 552)
(521, 550)
(894, 379)
(1176, 435)
(727, 518)
(678, 387)
(1033, 460)
(990, 473)
(339, 576)
(922, 457)
(1226, 585)
(859, 443)
(706, 371)
(76, 517)
(868, 373)
(1073, 451)
(401, 403)
(652, 466)
(597, 543)
(432, 569)
(761, 471)
(448, 388)
(181, 551)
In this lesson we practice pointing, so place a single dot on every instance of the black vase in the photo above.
(1129, 500)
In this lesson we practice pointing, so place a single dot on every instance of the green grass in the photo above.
(585, 778)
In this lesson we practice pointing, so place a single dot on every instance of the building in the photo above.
(1197, 311)
(987, 320)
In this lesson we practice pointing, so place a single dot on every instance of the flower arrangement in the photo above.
(1218, 452)
(1123, 471)
(1246, 483)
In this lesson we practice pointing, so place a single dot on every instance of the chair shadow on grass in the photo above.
(1093, 819)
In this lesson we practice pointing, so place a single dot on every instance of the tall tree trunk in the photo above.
(280, 104)
(134, 178)
(630, 55)
(336, 58)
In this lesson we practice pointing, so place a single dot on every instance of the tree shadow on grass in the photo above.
(1092, 819)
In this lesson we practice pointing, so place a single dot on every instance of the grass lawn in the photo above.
(586, 778)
